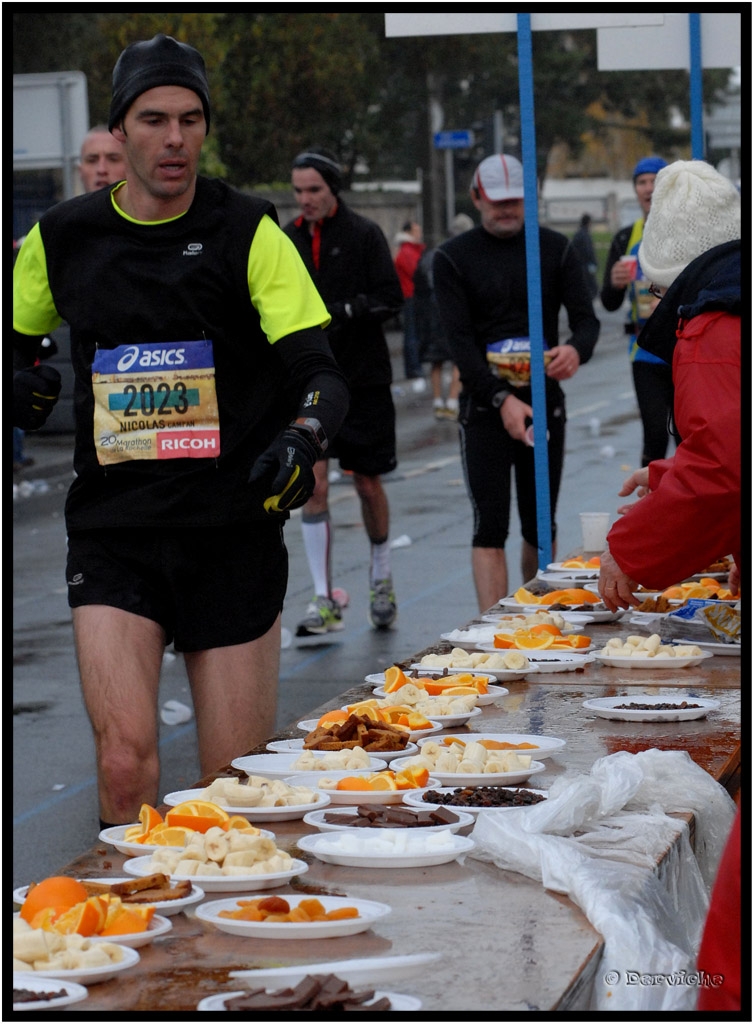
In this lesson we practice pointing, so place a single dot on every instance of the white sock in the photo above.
(452, 404)
(317, 546)
(380, 568)
(437, 403)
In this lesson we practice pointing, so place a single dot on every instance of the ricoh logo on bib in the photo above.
(150, 357)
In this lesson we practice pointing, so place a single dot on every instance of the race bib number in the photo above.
(155, 402)
(511, 359)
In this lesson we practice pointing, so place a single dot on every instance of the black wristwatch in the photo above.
(499, 397)
(313, 427)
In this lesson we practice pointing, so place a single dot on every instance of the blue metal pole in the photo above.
(534, 290)
(695, 74)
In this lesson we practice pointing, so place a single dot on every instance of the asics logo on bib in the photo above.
(159, 357)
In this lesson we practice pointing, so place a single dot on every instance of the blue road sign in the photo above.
(462, 139)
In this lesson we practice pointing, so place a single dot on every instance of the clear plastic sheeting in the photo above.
(599, 839)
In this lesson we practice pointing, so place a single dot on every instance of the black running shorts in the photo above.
(365, 442)
(489, 453)
(206, 586)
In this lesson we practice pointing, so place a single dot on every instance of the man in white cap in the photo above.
(689, 514)
(481, 289)
(205, 392)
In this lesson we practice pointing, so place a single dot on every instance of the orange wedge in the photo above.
(128, 921)
(524, 596)
(382, 782)
(359, 782)
(504, 641)
(461, 691)
(395, 678)
(84, 919)
(545, 627)
(174, 835)
(411, 777)
(576, 640)
(534, 643)
(333, 716)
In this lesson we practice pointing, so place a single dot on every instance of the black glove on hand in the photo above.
(35, 392)
(291, 457)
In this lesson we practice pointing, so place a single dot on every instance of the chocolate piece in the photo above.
(317, 992)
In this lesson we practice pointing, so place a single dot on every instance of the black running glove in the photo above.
(35, 392)
(289, 463)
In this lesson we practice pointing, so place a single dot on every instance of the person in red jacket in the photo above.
(410, 249)
(719, 959)
(689, 512)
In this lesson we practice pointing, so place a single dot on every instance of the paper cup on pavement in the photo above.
(594, 527)
(632, 262)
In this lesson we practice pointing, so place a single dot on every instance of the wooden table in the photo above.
(507, 943)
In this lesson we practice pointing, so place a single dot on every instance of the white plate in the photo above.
(378, 678)
(503, 625)
(167, 908)
(545, 654)
(569, 577)
(557, 661)
(369, 913)
(366, 796)
(69, 991)
(605, 707)
(288, 813)
(134, 940)
(662, 664)
(500, 674)
(576, 617)
(444, 721)
(95, 975)
(424, 804)
(727, 650)
(483, 699)
(398, 1003)
(317, 818)
(470, 639)
(546, 745)
(486, 779)
(325, 847)
(280, 766)
(114, 836)
(645, 618)
(140, 866)
(294, 745)
(366, 971)
(581, 574)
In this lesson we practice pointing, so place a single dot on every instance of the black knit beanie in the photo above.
(326, 163)
(154, 62)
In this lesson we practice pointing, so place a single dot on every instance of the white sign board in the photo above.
(462, 24)
(50, 119)
(667, 46)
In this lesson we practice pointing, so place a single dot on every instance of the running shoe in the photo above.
(323, 615)
(442, 412)
(383, 609)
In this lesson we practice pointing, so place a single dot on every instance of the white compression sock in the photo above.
(317, 546)
(380, 568)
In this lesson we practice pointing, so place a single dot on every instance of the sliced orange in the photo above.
(149, 817)
(504, 641)
(534, 643)
(45, 917)
(333, 717)
(367, 710)
(128, 921)
(395, 678)
(58, 891)
(524, 596)
(84, 919)
(576, 640)
(241, 824)
(411, 777)
(172, 835)
(572, 595)
(193, 815)
(461, 691)
(358, 782)
(382, 781)
(545, 627)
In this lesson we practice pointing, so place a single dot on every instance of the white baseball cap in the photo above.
(499, 177)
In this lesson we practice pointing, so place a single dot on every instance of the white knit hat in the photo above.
(694, 208)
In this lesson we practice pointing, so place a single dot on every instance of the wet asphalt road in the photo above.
(54, 790)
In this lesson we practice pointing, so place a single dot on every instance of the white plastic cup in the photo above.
(632, 262)
(594, 527)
